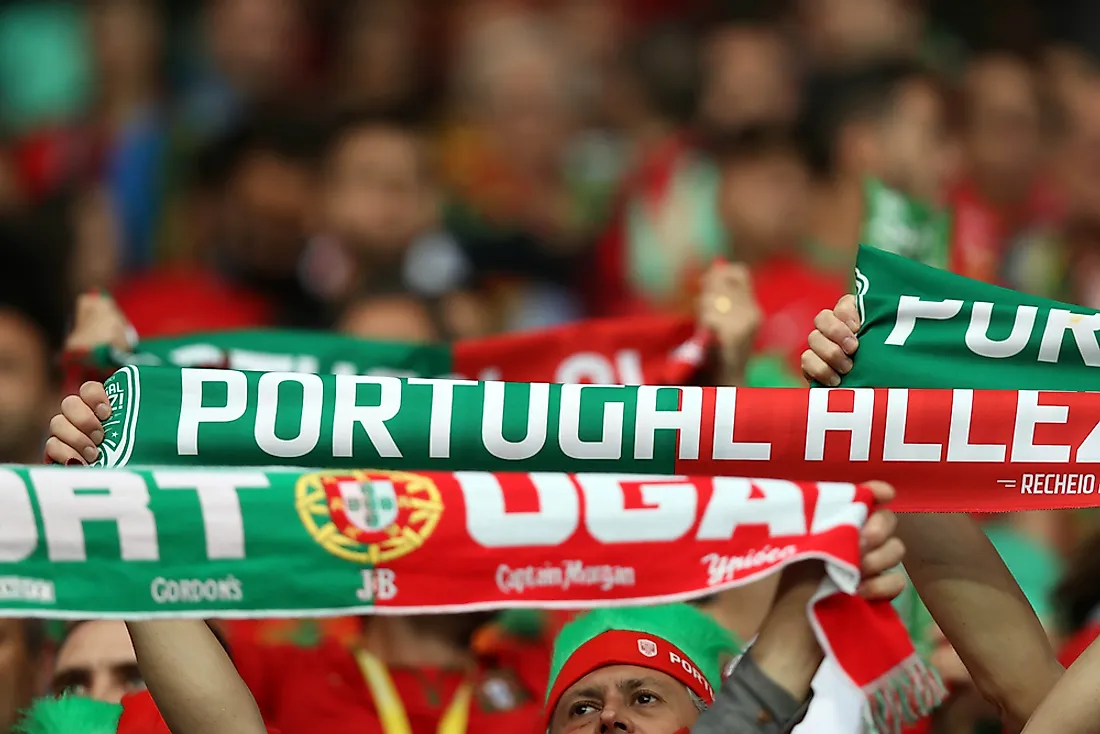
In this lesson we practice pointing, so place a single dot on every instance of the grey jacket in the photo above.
(749, 702)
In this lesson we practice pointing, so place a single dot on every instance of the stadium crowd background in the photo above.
(425, 170)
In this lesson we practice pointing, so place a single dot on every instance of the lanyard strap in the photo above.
(391, 711)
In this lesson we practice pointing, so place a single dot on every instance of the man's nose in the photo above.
(612, 721)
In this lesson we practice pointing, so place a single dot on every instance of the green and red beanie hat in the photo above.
(675, 639)
(137, 714)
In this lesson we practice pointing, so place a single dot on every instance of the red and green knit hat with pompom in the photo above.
(137, 714)
(675, 639)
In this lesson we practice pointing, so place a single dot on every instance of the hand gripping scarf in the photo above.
(249, 542)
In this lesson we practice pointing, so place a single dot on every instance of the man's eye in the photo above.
(582, 708)
(646, 699)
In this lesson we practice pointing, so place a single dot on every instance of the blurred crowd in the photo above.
(428, 171)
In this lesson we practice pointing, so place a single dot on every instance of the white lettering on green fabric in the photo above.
(686, 421)
(18, 529)
(911, 309)
(439, 430)
(349, 414)
(977, 333)
(308, 432)
(610, 443)
(193, 413)
(492, 425)
(196, 591)
(223, 523)
(68, 499)
(1082, 326)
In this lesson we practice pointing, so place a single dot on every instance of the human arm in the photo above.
(1072, 706)
(960, 577)
(190, 676)
(981, 610)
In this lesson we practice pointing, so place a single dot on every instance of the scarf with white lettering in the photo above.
(631, 351)
(923, 327)
(654, 350)
(944, 450)
(251, 542)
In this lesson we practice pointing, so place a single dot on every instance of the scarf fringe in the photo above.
(902, 696)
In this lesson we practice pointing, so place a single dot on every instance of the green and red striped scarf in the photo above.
(663, 350)
(177, 541)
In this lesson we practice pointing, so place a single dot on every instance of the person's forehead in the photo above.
(614, 676)
(100, 642)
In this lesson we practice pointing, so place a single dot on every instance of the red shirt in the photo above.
(320, 690)
(790, 293)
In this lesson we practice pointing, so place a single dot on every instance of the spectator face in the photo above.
(267, 214)
(528, 115)
(1004, 130)
(378, 200)
(763, 200)
(97, 660)
(748, 79)
(840, 31)
(624, 698)
(912, 149)
(400, 319)
(255, 42)
(127, 43)
(380, 52)
(521, 94)
(1078, 156)
(27, 395)
(20, 671)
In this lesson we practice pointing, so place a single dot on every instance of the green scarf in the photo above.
(924, 328)
(904, 226)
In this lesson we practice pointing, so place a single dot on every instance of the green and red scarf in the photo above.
(251, 542)
(944, 451)
(659, 350)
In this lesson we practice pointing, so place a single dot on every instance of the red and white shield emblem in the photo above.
(362, 509)
(647, 648)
